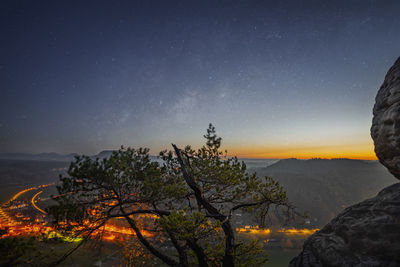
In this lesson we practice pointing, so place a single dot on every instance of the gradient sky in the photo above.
(277, 78)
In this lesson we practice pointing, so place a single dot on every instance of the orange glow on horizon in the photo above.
(363, 151)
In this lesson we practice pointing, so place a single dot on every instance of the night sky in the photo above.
(276, 78)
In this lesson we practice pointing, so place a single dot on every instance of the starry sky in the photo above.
(277, 78)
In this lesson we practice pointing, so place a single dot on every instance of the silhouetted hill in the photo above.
(324, 187)
(52, 156)
(40, 157)
(251, 163)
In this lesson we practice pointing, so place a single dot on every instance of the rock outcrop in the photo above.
(385, 130)
(368, 233)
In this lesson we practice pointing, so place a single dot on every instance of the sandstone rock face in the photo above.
(366, 234)
(385, 130)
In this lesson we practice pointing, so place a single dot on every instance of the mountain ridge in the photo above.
(323, 187)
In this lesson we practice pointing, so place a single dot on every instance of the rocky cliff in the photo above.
(385, 128)
(368, 233)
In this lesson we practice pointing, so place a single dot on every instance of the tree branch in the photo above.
(156, 252)
(200, 254)
(228, 259)
(245, 205)
(183, 259)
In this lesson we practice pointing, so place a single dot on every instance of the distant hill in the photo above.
(40, 157)
(324, 187)
(251, 163)
(258, 163)
(50, 156)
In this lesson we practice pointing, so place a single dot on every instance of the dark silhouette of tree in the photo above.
(187, 202)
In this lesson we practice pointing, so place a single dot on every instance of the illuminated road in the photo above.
(17, 195)
(21, 227)
(5, 218)
(34, 204)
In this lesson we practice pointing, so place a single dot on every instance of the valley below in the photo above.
(319, 188)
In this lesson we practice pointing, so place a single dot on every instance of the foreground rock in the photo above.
(366, 234)
(385, 130)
